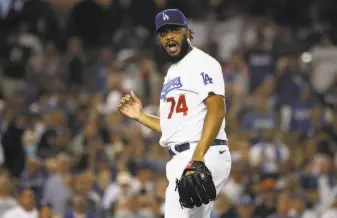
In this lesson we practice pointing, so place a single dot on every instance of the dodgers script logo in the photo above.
(172, 84)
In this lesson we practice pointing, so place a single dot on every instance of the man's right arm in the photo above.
(150, 121)
(131, 106)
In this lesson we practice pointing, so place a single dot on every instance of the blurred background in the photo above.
(66, 63)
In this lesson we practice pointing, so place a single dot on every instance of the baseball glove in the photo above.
(196, 186)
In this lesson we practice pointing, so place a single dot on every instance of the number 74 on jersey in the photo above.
(177, 106)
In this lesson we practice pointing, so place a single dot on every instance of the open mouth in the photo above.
(172, 46)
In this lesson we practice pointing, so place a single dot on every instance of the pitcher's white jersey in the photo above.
(187, 84)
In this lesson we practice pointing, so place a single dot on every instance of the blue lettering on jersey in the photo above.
(170, 85)
(207, 79)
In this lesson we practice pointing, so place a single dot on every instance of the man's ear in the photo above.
(188, 33)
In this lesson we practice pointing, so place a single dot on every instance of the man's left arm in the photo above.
(211, 89)
(212, 124)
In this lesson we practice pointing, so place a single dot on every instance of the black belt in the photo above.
(183, 147)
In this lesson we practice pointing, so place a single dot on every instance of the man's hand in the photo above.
(131, 106)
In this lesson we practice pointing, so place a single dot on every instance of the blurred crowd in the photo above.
(66, 151)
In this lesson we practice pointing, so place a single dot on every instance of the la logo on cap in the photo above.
(165, 17)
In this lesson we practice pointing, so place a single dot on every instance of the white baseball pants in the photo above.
(217, 161)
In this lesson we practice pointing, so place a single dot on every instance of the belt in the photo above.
(183, 147)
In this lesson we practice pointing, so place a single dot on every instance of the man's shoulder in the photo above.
(9, 200)
(203, 58)
(11, 212)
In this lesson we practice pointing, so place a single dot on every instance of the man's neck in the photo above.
(28, 210)
(79, 213)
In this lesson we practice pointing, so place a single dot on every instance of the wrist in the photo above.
(140, 117)
(198, 156)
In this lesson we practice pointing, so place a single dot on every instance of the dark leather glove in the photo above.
(196, 186)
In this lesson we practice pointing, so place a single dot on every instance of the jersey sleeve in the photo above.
(210, 80)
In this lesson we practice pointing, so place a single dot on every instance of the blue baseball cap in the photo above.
(170, 17)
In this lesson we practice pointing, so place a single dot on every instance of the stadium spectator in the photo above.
(26, 207)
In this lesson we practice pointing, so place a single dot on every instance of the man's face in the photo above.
(27, 199)
(173, 40)
(103, 179)
(46, 212)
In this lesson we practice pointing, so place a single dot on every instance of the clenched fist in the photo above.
(130, 106)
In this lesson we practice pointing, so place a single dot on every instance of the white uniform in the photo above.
(182, 113)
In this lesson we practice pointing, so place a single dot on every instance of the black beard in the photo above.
(185, 48)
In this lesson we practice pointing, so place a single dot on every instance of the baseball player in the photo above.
(191, 121)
